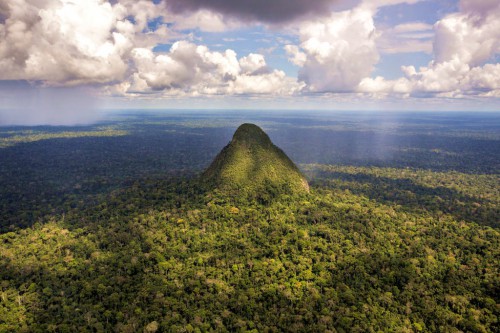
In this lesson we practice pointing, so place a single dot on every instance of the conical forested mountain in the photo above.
(252, 163)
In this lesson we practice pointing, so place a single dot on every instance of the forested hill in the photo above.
(252, 164)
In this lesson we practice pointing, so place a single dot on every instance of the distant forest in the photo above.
(108, 228)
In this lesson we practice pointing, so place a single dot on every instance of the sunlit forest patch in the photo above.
(470, 197)
(12, 138)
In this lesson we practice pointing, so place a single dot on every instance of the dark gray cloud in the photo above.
(269, 11)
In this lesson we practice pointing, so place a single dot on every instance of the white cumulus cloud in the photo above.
(464, 43)
(336, 52)
(111, 44)
(194, 69)
(70, 42)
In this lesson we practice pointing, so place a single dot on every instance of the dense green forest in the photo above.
(116, 232)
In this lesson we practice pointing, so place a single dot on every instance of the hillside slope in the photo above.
(253, 163)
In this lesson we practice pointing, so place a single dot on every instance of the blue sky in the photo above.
(66, 57)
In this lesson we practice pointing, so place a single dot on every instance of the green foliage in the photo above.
(252, 165)
(395, 235)
(163, 255)
(468, 197)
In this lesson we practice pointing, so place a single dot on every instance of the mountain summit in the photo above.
(252, 163)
